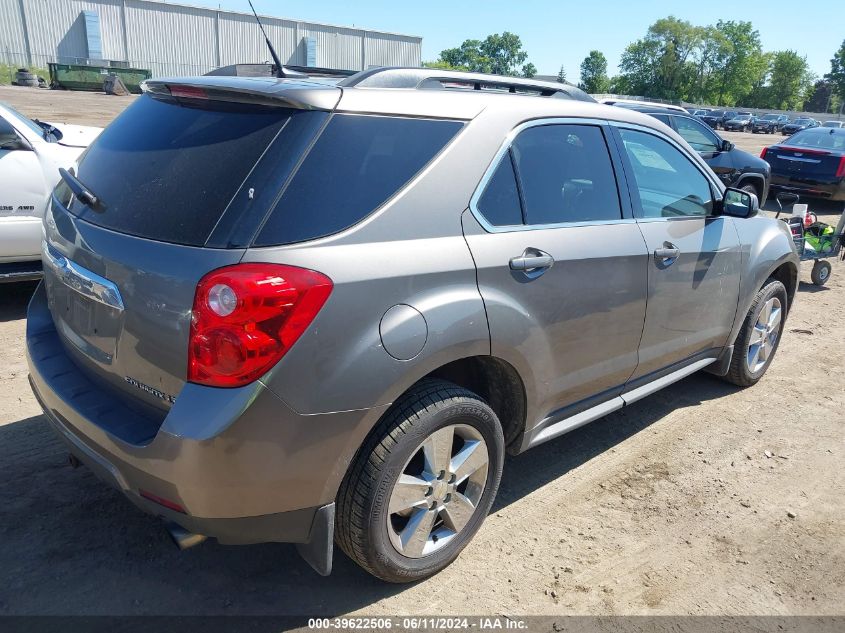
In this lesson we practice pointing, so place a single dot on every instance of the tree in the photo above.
(442, 65)
(497, 54)
(659, 65)
(836, 76)
(790, 78)
(819, 97)
(561, 75)
(740, 61)
(594, 78)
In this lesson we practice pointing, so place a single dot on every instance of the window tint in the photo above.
(167, 171)
(499, 203)
(669, 185)
(357, 163)
(566, 174)
(697, 135)
(663, 118)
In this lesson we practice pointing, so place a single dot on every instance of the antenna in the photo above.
(280, 72)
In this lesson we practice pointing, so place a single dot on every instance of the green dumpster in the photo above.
(77, 77)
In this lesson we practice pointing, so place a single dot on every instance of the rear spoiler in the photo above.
(266, 91)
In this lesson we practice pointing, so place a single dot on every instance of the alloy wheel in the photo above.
(764, 336)
(438, 491)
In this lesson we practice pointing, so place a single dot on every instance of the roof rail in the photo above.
(438, 79)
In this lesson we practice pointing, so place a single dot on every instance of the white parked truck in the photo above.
(31, 153)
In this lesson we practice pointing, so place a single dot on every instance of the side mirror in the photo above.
(739, 204)
(726, 145)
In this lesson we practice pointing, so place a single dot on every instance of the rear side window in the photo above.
(167, 171)
(355, 166)
(499, 203)
(566, 175)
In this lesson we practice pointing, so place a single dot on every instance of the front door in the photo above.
(708, 145)
(694, 256)
(561, 269)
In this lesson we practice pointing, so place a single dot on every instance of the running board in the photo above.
(664, 381)
(549, 429)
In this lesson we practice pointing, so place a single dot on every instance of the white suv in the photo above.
(31, 153)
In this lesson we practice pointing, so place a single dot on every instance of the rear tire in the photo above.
(373, 523)
(820, 273)
(757, 342)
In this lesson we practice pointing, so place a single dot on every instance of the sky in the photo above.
(561, 32)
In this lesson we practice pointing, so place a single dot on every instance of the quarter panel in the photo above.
(340, 362)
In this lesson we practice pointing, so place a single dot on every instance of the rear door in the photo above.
(561, 264)
(694, 257)
(168, 174)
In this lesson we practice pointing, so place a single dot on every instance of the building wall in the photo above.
(172, 39)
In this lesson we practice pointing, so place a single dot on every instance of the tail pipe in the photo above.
(182, 537)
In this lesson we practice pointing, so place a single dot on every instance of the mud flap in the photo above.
(723, 363)
(318, 551)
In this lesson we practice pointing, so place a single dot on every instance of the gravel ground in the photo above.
(702, 499)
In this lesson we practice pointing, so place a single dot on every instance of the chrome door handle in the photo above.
(668, 254)
(532, 259)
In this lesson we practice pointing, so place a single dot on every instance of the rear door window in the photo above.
(566, 175)
(356, 165)
(167, 170)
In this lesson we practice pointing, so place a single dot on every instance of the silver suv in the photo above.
(278, 310)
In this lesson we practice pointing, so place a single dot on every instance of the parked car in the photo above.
(769, 123)
(713, 118)
(810, 163)
(801, 123)
(669, 106)
(833, 124)
(733, 166)
(742, 122)
(31, 153)
(701, 112)
(371, 291)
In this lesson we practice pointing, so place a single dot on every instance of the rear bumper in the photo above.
(807, 187)
(243, 466)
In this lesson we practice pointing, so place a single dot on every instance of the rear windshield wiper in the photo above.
(82, 193)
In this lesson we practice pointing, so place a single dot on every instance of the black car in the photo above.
(734, 167)
(811, 162)
(718, 118)
(740, 123)
(799, 124)
(769, 123)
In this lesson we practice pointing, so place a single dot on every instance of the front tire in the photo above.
(422, 483)
(758, 340)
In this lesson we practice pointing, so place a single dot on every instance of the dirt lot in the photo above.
(672, 506)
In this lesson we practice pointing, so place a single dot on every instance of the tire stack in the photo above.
(25, 78)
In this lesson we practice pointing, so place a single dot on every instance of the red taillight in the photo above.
(246, 317)
(188, 92)
(840, 171)
(763, 153)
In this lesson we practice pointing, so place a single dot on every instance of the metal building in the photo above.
(174, 39)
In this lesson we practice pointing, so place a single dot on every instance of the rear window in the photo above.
(167, 171)
(355, 166)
